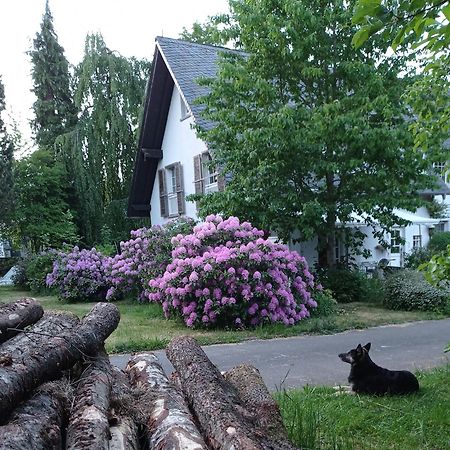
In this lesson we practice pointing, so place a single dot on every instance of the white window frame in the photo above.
(417, 241)
(209, 178)
(396, 245)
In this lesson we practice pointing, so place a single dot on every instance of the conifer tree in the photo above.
(53, 109)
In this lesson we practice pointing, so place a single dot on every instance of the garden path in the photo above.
(297, 361)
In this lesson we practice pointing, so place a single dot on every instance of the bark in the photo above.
(169, 424)
(223, 417)
(57, 354)
(88, 423)
(37, 424)
(257, 399)
(52, 324)
(124, 430)
(18, 315)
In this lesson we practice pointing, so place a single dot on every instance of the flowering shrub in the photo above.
(79, 275)
(146, 255)
(225, 273)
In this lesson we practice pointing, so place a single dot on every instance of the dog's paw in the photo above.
(340, 390)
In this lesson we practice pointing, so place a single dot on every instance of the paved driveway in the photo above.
(297, 361)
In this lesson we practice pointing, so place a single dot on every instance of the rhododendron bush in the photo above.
(226, 273)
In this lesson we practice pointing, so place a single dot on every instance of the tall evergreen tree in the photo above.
(6, 169)
(53, 109)
(101, 148)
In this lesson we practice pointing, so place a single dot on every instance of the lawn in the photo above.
(143, 326)
(319, 419)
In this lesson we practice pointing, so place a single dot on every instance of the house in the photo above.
(172, 162)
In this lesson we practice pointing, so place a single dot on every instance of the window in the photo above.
(441, 169)
(171, 191)
(395, 241)
(417, 241)
(209, 174)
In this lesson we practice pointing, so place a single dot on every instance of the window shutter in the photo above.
(163, 200)
(180, 188)
(198, 175)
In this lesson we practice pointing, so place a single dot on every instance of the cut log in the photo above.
(88, 423)
(223, 417)
(256, 398)
(37, 424)
(123, 427)
(53, 323)
(18, 315)
(169, 424)
(46, 363)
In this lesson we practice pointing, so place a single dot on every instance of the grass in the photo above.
(143, 326)
(317, 418)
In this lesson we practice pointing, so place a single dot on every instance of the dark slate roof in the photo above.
(440, 188)
(175, 62)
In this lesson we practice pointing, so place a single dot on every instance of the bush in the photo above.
(6, 264)
(32, 271)
(408, 290)
(437, 270)
(417, 257)
(347, 285)
(226, 274)
(438, 242)
(79, 275)
(326, 304)
(145, 256)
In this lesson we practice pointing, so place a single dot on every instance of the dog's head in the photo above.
(356, 355)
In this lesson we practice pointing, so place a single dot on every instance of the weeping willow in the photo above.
(100, 150)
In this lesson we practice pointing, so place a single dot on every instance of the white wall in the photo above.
(180, 144)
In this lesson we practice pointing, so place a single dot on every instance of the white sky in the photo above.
(128, 27)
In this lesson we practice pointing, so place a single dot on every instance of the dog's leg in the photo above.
(340, 390)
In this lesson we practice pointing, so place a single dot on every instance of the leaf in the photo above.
(366, 8)
(446, 11)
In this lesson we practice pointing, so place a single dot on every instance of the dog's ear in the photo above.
(367, 347)
(359, 349)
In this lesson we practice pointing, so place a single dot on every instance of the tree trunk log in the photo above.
(57, 354)
(169, 424)
(124, 430)
(18, 315)
(256, 398)
(88, 422)
(37, 424)
(224, 420)
(52, 324)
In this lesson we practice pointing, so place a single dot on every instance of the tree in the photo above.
(310, 132)
(53, 109)
(42, 214)
(6, 170)
(100, 150)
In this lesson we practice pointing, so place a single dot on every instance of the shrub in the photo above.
(79, 275)
(32, 271)
(346, 284)
(326, 304)
(437, 270)
(417, 257)
(145, 256)
(408, 290)
(226, 274)
(439, 242)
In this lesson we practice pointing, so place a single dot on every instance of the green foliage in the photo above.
(42, 213)
(326, 304)
(417, 257)
(302, 152)
(437, 210)
(6, 169)
(439, 242)
(100, 150)
(409, 290)
(437, 270)
(32, 271)
(53, 109)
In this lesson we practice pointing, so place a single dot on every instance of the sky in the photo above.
(129, 27)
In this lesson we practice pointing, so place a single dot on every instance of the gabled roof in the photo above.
(179, 63)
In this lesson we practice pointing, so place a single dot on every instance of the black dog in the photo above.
(368, 378)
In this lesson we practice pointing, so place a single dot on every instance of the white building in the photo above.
(171, 162)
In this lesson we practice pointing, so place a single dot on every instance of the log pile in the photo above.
(58, 390)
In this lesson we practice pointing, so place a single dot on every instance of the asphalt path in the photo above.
(294, 362)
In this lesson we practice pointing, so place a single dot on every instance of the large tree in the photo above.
(312, 134)
(53, 109)
(100, 150)
(6, 169)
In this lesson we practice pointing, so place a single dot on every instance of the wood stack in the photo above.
(58, 390)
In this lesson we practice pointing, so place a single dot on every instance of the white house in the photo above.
(171, 161)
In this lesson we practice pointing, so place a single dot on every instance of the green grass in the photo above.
(318, 419)
(143, 326)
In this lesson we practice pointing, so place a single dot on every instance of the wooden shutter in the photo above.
(163, 200)
(180, 188)
(198, 175)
